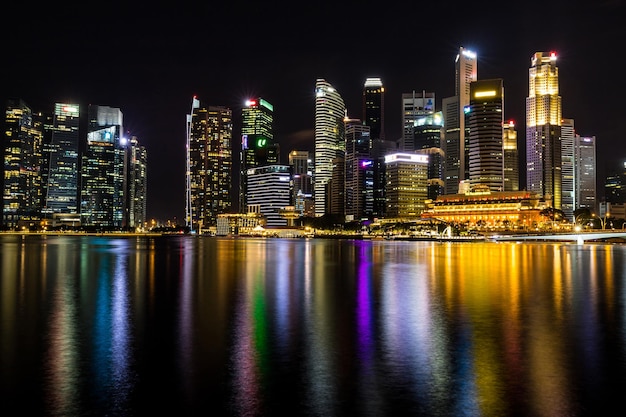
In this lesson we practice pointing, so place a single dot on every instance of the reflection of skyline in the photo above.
(464, 328)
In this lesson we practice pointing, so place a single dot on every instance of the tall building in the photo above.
(269, 192)
(330, 112)
(456, 132)
(257, 141)
(137, 158)
(210, 165)
(415, 105)
(103, 172)
(379, 150)
(22, 147)
(511, 157)
(374, 107)
(426, 139)
(585, 174)
(615, 186)
(61, 164)
(359, 172)
(568, 166)
(543, 129)
(485, 121)
(302, 175)
(407, 184)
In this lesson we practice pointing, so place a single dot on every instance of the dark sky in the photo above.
(150, 62)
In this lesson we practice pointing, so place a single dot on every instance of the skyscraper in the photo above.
(302, 175)
(330, 112)
(415, 105)
(359, 172)
(485, 121)
(585, 174)
(426, 139)
(137, 183)
(407, 184)
(374, 107)
(22, 143)
(269, 192)
(103, 172)
(568, 166)
(543, 129)
(210, 165)
(511, 157)
(257, 141)
(61, 164)
(454, 108)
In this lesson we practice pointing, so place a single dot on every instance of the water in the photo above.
(188, 325)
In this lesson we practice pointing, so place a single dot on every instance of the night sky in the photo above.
(150, 62)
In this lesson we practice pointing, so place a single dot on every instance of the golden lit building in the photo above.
(481, 207)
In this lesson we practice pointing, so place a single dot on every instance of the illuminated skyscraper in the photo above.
(485, 121)
(407, 184)
(61, 164)
(22, 142)
(359, 172)
(269, 192)
(454, 108)
(426, 139)
(415, 106)
(257, 141)
(302, 175)
(103, 172)
(137, 183)
(585, 172)
(511, 157)
(374, 107)
(543, 129)
(568, 166)
(210, 165)
(330, 112)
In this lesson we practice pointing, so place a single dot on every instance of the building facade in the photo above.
(330, 112)
(543, 129)
(426, 139)
(137, 162)
(359, 173)
(568, 163)
(407, 184)
(104, 171)
(210, 165)
(585, 174)
(510, 156)
(374, 107)
(415, 106)
(302, 175)
(454, 109)
(269, 189)
(485, 120)
(22, 149)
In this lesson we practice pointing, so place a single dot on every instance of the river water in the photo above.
(186, 325)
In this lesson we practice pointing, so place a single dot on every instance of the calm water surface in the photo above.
(209, 326)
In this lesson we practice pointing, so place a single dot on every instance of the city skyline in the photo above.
(157, 69)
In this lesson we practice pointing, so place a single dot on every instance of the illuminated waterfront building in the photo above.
(359, 172)
(543, 129)
(456, 132)
(209, 165)
(60, 167)
(137, 157)
(485, 121)
(585, 172)
(426, 139)
(407, 184)
(302, 176)
(615, 186)
(568, 163)
(22, 146)
(269, 189)
(378, 151)
(374, 107)
(239, 223)
(481, 207)
(330, 112)
(336, 187)
(415, 106)
(510, 157)
(257, 141)
(103, 172)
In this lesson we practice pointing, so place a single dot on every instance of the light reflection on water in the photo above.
(310, 327)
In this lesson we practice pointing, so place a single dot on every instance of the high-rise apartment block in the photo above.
(485, 121)
(456, 132)
(209, 165)
(330, 112)
(543, 129)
